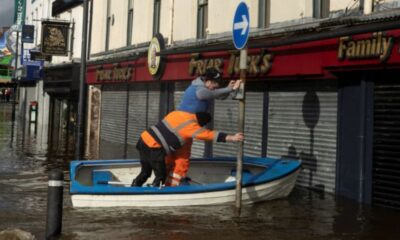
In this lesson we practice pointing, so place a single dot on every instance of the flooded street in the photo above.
(305, 214)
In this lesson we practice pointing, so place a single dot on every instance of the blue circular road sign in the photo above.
(241, 26)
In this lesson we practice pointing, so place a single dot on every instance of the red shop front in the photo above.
(321, 101)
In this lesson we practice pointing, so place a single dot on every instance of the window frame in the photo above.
(202, 19)
(108, 25)
(129, 31)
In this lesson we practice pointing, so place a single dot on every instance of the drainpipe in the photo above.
(82, 84)
(171, 38)
(368, 6)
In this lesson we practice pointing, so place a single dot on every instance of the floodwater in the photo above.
(305, 214)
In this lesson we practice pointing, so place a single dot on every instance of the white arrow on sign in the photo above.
(242, 25)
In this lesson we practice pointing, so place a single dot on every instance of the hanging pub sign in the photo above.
(28, 33)
(55, 38)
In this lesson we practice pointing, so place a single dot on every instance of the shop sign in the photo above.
(198, 66)
(31, 73)
(36, 55)
(378, 46)
(258, 64)
(55, 38)
(28, 32)
(19, 12)
(156, 64)
(26, 58)
(61, 6)
(116, 74)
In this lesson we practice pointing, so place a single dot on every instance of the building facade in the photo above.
(55, 90)
(33, 102)
(321, 83)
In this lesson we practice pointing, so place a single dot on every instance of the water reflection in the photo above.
(303, 215)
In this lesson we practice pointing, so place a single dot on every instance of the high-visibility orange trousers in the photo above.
(178, 164)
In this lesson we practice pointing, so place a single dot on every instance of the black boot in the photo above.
(136, 183)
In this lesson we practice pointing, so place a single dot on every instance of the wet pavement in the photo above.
(24, 165)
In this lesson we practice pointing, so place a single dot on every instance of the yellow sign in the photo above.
(378, 46)
(258, 64)
(117, 73)
(153, 61)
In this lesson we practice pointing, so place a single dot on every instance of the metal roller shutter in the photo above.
(153, 106)
(144, 108)
(226, 117)
(253, 124)
(226, 114)
(302, 124)
(386, 163)
(113, 121)
(198, 146)
(137, 121)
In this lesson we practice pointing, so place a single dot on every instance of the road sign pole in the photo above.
(239, 165)
(240, 34)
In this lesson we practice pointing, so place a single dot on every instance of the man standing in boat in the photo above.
(172, 134)
(197, 98)
(204, 89)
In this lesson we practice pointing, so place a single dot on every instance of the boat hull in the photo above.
(252, 191)
(268, 191)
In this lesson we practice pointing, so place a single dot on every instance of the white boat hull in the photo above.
(267, 191)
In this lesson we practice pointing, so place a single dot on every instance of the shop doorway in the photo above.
(62, 126)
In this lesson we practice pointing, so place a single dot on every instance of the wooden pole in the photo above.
(241, 97)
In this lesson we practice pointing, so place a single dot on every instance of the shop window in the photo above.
(156, 17)
(202, 18)
(130, 23)
(321, 8)
(264, 15)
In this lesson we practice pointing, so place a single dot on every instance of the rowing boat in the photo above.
(210, 181)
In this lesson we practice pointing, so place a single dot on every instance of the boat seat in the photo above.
(246, 175)
(185, 181)
(101, 177)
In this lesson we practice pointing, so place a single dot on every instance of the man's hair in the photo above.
(203, 118)
(213, 75)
